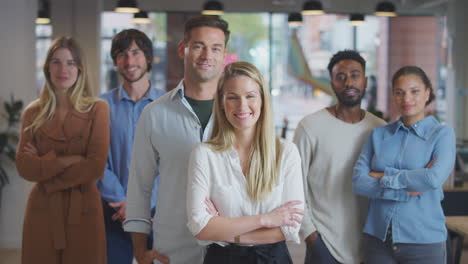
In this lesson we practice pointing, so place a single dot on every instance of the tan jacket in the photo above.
(63, 221)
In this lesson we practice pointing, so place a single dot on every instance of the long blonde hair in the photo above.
(265, 157)
(81, 94)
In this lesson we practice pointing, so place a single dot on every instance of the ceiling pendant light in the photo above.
(43, 15)
(312, 8)
(127, 6)
(295, 19)
(141, 18)
(385, 9)
(213, 8)
(356, 19)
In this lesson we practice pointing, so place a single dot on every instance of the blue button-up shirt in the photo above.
(403, 154)
(124, 115)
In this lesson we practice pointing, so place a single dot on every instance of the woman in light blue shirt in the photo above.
(401, 169)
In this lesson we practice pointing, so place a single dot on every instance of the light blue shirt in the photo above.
(403, 154)
(166, 133)
(124, 115)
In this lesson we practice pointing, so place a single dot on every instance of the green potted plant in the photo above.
(9, 136)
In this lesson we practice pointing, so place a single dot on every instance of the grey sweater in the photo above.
(329, 149)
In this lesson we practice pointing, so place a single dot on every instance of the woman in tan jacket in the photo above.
(63, 148)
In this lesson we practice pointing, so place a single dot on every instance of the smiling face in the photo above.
(131, 63)
(349, 82)
(410, 96)
(242, 103)
(204, 54)
(63, 69)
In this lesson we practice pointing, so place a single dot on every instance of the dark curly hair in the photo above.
(406, 70)
(346, 55)
(124, 39)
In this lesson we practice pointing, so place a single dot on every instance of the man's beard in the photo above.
(135, 79)
(207, 76)
(348, 100)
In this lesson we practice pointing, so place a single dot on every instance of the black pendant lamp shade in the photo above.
(141, 18)
(43, 15)
(127, 6)
(312, 8)
(295, 19)
(356, 19)
(213, 8)
(385, 9)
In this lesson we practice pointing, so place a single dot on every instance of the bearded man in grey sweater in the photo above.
(329, 142)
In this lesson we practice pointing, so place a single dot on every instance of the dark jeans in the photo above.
(276, 253)
(319, 253)
(118, 242)
(379, 252)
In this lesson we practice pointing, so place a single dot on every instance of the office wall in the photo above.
(17, 75)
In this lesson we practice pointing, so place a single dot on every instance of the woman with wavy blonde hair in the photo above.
(63, 149)
(81, 96)
(245, 195)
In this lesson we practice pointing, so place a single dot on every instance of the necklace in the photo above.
(360, 117)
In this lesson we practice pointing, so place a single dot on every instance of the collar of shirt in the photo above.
(179, 91)
(178, 94)
(422, 128)
(150, 95)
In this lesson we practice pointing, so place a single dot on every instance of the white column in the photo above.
(18, 77)
(81, 19)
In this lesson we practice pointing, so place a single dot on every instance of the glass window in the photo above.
(43, 42)
(249, 40)
(293, 60)
(301, 82)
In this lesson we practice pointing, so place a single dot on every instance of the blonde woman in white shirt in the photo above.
(245, 193)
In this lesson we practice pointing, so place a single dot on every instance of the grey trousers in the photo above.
(379, 252)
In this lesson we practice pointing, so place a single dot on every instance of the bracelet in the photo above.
(237, 239)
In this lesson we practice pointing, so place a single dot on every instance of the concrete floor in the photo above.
(13, 256)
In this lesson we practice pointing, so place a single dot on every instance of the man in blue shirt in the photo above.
(132, 53)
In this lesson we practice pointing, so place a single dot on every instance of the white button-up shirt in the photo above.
(218, 176)
(166, 133)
